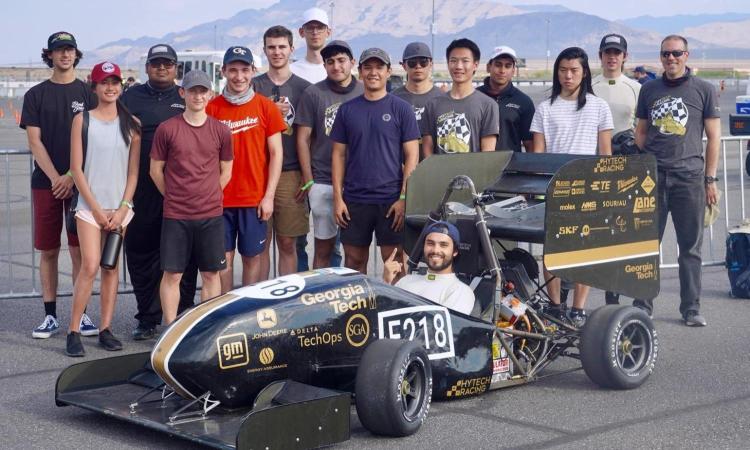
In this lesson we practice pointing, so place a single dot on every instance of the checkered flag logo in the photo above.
(453, 133)
(330, 116)
(670, 115)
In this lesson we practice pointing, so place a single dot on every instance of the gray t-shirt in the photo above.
(106, 165)
(290, 92)
(317, 109)
(675, 117)
(457, 126)
(418, 102)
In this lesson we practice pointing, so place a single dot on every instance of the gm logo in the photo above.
(266, 318)
(233, 350)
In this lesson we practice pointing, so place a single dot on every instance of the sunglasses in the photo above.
(165, 63)
(676, 53)
(413, 62)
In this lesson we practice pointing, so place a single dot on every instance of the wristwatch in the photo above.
(709, 179)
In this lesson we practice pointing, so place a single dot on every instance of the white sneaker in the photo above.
(46, 329)
(87, 326)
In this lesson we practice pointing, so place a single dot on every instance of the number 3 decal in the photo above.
(278, 288)
(428, 325)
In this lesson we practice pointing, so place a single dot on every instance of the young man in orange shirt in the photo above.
(256, 126)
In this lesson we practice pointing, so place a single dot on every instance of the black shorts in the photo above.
(366, 219)
(202, 239)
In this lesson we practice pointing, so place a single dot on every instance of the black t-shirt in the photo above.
(51, 107)
(151, 107)
(289, 92)
(516, 111)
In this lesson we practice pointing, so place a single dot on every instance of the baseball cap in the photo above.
(104, 70)
(238, 53)
(640, 69)
(61, 39)
(416, 50)
(504, 50)
(613, 41)
(334, 47)
(446, 228)
(315, 15)
(161, 51)
(196, 78)
(376, 53)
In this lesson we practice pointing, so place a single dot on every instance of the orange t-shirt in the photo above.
(251, 124)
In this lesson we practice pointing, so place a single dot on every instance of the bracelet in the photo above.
(126, 203)
(69, 173)
(307, 185)
(402, 197)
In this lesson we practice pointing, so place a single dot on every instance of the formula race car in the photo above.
(275, 364)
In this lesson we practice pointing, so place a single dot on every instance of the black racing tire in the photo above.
(619, 347)
(393, 387)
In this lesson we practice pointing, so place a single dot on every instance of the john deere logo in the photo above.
(233, 350)
(266, 356)
(266, 318)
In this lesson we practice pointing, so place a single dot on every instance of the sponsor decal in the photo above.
(614, 203)
(621, 223)
(278, 288)
(572, 229)
(578, 191)
(644, 205)
(626, 184)
(579, 183)
(601, 186)
(568, 207)
(266, 318)
(431, 326)
(648, 184)
(613, 164)
(561, 192)
(357, 330)
(471, 386)
(265, 356)
(562, 183)
(642, 271)
(317, 339)
(642, 223)
(238, 126)
(500, 365)
(496, 350)
(269, 333)
(351, 297)
(588, 206)
(233, 350)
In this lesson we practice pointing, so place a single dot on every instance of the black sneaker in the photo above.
(108, 341)
(577, 317)
(144, 331)
(559, 312)
(694, 319)
(73, 345)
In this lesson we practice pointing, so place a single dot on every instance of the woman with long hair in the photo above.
(105, 173)
(572, 120)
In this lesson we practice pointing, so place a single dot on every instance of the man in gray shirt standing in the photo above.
(465, 120)
(419, 89)
(673, 113)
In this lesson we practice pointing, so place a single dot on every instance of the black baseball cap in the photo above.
(61, 39)
(161, 51)
(335, 47)
(238, 53)
(416, 50)
(615, 41)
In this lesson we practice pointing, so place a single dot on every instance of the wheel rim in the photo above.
(413, 389)
(633, 348)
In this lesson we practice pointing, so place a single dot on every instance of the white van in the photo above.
(207, 61)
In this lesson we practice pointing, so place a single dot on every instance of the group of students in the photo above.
(199, 177)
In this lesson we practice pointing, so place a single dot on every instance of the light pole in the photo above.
(433, 31)
(546, 65)
(330, 19)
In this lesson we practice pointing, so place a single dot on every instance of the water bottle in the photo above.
(111, 250)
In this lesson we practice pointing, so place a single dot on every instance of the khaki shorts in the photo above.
(290, 218)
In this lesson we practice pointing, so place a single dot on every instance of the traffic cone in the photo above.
(2, 113)
(18, 117)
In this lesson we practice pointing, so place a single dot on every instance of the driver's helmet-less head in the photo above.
(448, 229)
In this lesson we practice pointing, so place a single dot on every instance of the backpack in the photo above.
(738, 262)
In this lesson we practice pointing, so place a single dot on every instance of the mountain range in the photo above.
(531, 29)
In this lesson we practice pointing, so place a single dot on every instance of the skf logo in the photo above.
(573, 229)
(357, 330)
(266, 318)
(644, 204)
(233, 350)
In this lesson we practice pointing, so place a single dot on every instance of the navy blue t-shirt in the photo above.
(374, 132)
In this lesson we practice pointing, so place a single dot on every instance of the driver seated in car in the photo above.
(440, 283)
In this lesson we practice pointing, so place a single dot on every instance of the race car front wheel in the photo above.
(393, 387)
(619, 347)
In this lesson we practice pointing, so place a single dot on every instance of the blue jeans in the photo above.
(683, 194)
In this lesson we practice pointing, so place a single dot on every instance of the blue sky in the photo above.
(94, 23)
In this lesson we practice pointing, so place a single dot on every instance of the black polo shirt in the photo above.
(152, 107)
(516, 112)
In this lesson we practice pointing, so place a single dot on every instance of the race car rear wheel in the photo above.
(619, 347)
(393, 387)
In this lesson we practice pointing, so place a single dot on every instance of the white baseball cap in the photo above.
(315, 15)
(504, 50)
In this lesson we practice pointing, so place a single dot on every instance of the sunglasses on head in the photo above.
(413, 62)
(676, 53)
